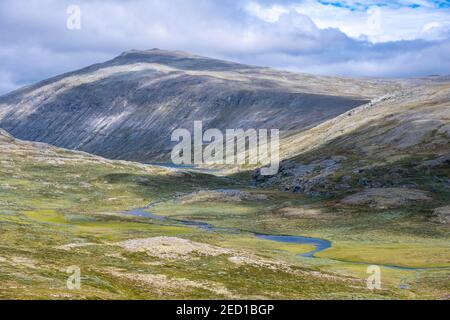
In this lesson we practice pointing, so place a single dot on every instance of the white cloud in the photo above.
(6, 81)
(268, 14)
(396, 23)
(301, 35)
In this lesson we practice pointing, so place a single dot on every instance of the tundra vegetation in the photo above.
(61, 208)
(370, 174)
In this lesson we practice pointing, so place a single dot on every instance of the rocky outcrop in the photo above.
(172, 248)
(312, 179)
(339, 175)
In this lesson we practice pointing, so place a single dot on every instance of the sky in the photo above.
(364, 38)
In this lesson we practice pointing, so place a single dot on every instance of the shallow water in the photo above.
(319, 244)
(185, 167)
(144, 214)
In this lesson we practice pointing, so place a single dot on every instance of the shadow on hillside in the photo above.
(166, 185)
(368, 159)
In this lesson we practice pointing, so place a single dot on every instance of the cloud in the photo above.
(6, 81)
(353, 38)
(377, 21)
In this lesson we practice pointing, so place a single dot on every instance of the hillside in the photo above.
(127, 108)
(36, 175)
(61, 210)
(400, 139)
(380, 173)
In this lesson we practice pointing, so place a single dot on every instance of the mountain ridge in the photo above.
(398, 140)
(127, 107)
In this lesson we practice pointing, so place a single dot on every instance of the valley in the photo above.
(364, 180)
(61, 208)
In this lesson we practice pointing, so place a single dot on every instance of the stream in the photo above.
(319, 244)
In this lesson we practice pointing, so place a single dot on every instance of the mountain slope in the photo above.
(401, 139)
(37, 176)
(127, 108)
(414, 120)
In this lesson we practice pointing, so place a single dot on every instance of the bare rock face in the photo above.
(128, 107)
(383, 198)
(312, 179)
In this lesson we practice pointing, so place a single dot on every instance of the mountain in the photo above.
(414, 120)
(376, 152)
(127, 108)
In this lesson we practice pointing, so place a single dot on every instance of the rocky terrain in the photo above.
(373, 182)
(61, 209)
(128, 107)
(399, 140)
(337, 134)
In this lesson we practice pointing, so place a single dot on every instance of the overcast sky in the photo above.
(399, 38)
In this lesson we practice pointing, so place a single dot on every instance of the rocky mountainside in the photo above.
(127, 108)
(398, 140)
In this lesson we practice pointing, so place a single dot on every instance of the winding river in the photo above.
(319, 244)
